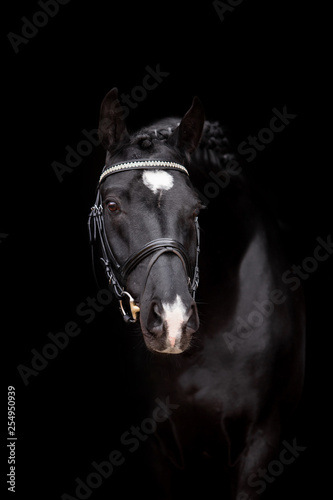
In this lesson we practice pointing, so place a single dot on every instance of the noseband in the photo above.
(117, 274)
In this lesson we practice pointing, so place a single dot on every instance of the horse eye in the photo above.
(113, 206)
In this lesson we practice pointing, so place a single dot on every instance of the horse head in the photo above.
(149, 212)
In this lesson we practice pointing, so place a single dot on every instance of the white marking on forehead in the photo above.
(174, 317)
(157, 179)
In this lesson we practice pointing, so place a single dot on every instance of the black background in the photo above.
(263, 55)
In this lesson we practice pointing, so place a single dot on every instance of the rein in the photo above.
(116, 273)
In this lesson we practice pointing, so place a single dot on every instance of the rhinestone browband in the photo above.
(144, 164)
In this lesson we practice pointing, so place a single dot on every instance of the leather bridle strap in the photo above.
(140, 164)
(161, 244)
(96, 228)
(156, 256)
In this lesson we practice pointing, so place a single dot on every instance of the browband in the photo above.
(141, 164)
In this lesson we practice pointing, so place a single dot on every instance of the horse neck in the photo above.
(232, 216)
(230, 224)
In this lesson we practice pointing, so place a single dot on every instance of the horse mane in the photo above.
(214, 147)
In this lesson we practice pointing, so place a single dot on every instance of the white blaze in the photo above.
(157, 179)
(174, 316)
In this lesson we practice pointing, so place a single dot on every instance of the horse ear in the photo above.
(112, 128)
(190, 128)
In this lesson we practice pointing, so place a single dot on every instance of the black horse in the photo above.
(227, 365)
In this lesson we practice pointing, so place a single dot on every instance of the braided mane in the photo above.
(214, 146)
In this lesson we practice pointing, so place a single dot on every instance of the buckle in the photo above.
(134, 309)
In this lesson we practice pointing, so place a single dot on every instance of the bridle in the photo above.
(116, 273)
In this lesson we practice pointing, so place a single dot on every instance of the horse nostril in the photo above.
(154, 320)
(156, 310)
(192, 324)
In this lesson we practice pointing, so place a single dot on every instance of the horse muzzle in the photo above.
(168, 327)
